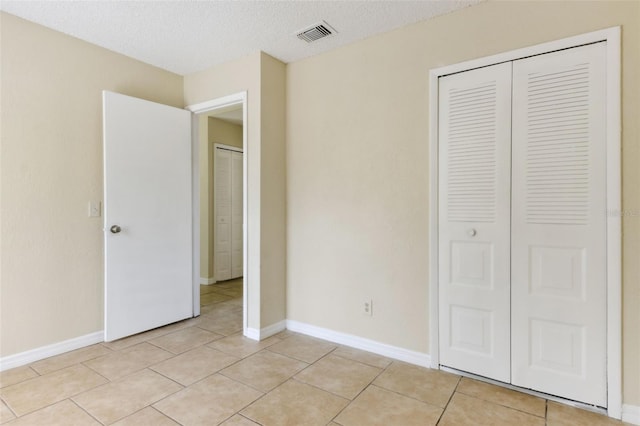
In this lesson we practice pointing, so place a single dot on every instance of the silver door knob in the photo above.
(472, 232)
(115, 229)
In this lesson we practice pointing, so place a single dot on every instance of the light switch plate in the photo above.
(94, 209)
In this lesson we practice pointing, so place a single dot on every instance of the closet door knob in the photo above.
(115, 229)
(472, 232)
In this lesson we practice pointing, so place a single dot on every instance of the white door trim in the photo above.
(614, 220)
(200, 108)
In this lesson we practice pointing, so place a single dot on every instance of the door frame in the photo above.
(213, 105)
(214, 214)
(613, 197)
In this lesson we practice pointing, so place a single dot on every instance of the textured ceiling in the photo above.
(189, 36)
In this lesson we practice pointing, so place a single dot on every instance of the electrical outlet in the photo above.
(367, 307)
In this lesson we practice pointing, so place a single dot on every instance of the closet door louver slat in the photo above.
(565, 162)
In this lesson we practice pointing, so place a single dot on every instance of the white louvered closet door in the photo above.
(223, 214)
(236, 215)
(474, 215)
(559, 224)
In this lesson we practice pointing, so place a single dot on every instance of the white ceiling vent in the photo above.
(316, 32)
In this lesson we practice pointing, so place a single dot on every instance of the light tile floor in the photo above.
(202, 371)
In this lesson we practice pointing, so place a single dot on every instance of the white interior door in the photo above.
(236, 215)
(474, 215)
(223, 214)
(147, 215)
(559, 224)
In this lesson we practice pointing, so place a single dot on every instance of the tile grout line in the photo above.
(382, 370)
(248, 385)
(32, 365)
(112, 351)
(122, 351)
(290, 357)
(234, 355)
(526, 395)
(274, 353)
(292, 377)
(503, 405)
(9, 407)
(58, 401)
(82, 408)
(245, 417)
(444, 409)
(546, 411)
(237, 413)
(203, 378)
(166, 377)
(161, 413)
(154, 402)
(309, 364)
(218, 371)
(250, 402)
(99, 374)
(409, 396)
(33, 369)
(362, 362)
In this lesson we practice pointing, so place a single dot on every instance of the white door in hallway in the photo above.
(474, 214)
(228, 219)
(147, 215)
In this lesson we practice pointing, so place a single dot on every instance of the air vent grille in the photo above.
(316, 32)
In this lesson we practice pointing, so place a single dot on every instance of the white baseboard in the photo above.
(273, 329)
(207, 281)
(394, 352)
(263, 333)
(43, 352)
(631, 414)
(252, 333)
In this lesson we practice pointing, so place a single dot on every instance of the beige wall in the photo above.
(262, 77)
(223, 132)
(357, 166)
(273, 192)
(51, 167)
(355, 178)
(51, 279)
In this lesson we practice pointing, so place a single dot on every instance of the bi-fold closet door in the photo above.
(522, 225)
(228, 260)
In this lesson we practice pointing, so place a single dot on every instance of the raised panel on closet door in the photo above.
(559, 224)
(474, 184)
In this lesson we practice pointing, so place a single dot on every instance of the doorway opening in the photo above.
(219, 230)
